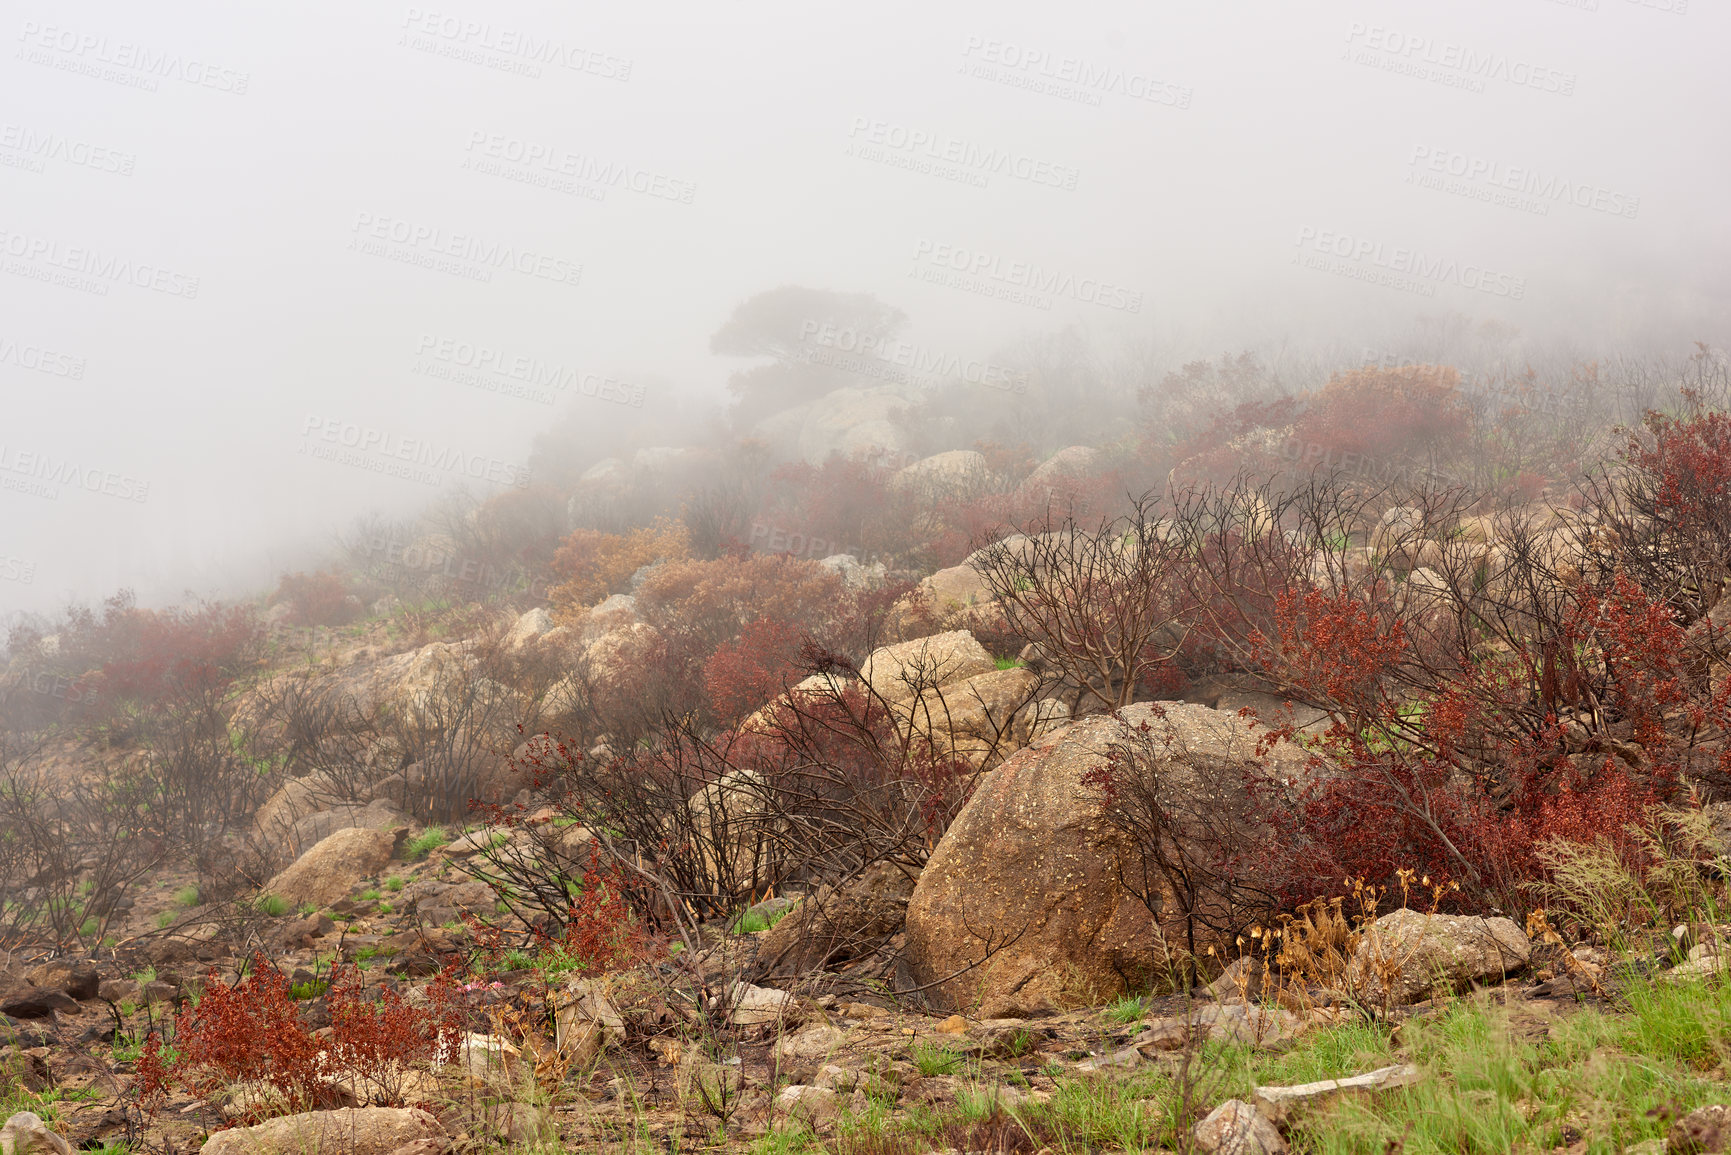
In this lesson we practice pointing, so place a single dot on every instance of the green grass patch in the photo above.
(186, 896)
(1127, 1009)
(425, 843)
(933, 1059)
(273, 905)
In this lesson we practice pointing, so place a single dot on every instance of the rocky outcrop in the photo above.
(1026, 889)
(905, 669)
(845, 422)
(327, 872)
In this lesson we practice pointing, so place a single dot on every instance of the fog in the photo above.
(232, 234)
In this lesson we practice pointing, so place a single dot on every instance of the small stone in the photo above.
(118, 991)
(810, 1104)
(1127, 1057)
(38, 1003)
(954, 1025)
(1235, 1128)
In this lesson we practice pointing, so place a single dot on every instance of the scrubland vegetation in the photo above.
(697, 779)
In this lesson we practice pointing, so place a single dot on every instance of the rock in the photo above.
(1251, 1025)
(37, 1003)
(954, 1025)
(1703, 1129)
(586, 1022)
(424, 1147)
(616, 666)
(767, 910)
(1057, 475)
(484, 1058)
(118, 991)
(1281, 1104)
(1235, 1128)
(848, 422)
(517, 1124)
(814, 1044)
(1123, 1057)
(813, 1105)
(834, 926)
(749, 1005)
(328, 871)
(1406, 956)
(26, 1134)
(956, 473)
(529, 628)
(984, 719)
(833, 1078)
(159, 992)
(311, 829)
(853, 574)
(77, 978)
(728, 819)
(1029, 869)
(901, 671)
(350, 1130)
(294, 800)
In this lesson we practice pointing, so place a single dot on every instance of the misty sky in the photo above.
(226, 229)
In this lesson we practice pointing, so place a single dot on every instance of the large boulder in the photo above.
(907, 668)
(326, 873)
(1406, 956)
(957, 473)
(350, 1130)
(981, 720)
(847, 422)
(1027, 885)
(1059, 472)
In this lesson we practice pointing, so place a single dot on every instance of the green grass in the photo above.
(1127, 1009)
(749, 923)
(186, 896)
(164, 919)
(932, 1059)
(371, 894)
(429, 840)
(272, 905)
(393, 884)
(1008, 663)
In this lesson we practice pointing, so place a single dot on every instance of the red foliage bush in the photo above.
(253, 1031)
(601, 934)
(315, 599)
(749, 671)
(151, 656)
